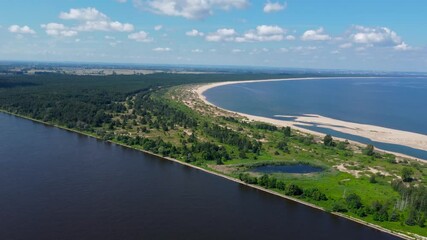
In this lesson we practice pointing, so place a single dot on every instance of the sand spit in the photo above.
(374, 133)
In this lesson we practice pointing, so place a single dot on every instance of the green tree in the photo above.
(263, 180)
(412, 218)
(353, 201)
(381, 215)
(372, 179)
(380, 211)
(421, 220)
(315, 194)
(339, 206)
(272, 182)
(287, 131)
(328, 141)
(280, 185)
(242, 155)
(369, 150)
(293, 190)
(395, 216)
(407, 174)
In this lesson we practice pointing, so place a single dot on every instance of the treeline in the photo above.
(83, 102)
(266, 126)
(289, 189)
(157, 145)
(82, 111)
(413, 200)
(231, 137)
(411, 209)
(158, 113)
(198, 151)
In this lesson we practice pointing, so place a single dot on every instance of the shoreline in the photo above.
(372, 132)
(221, 175)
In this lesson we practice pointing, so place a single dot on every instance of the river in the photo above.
(56, 184)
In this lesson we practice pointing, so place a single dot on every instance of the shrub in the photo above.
(293, 190)
(353, 201)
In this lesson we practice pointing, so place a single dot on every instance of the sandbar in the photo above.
(372, 132)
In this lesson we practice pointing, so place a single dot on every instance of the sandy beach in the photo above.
(374, 133)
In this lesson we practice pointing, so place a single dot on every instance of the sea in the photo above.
(392, 102)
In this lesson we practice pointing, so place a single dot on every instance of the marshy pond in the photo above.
(294, 168)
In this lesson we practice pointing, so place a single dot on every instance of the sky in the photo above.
(386, 35)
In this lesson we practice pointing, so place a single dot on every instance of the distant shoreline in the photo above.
(372, 132)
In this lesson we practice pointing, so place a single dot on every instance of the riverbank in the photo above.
(209, 171)
(374, 133)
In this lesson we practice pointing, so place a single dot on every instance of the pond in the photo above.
(294, 168)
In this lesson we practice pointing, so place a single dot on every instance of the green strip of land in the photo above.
(158, 114)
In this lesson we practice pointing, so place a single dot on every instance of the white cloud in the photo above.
(346, 45)
(158, 27)
(197, 51)
(304, 49)
(112, 40)
(274, 7)
(269, 30)
(290, 37)
(315, 35)
(262, 33)
(190, 9)
(140, 36)
(402, 47)
(90, 26)
(258, 51)
(58, 30)
(160, 49)
(121, 1)
(222, 34)
(377, 35)
(21, 30)
(121, 27)
(237, 50)
(284, 50)
(83, 14)
(115, 43)
(93, 20)
(194, 33)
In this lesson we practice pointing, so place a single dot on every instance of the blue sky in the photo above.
(331, 34)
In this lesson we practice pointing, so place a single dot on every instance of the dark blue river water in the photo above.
(397, 103)
(56, 184)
